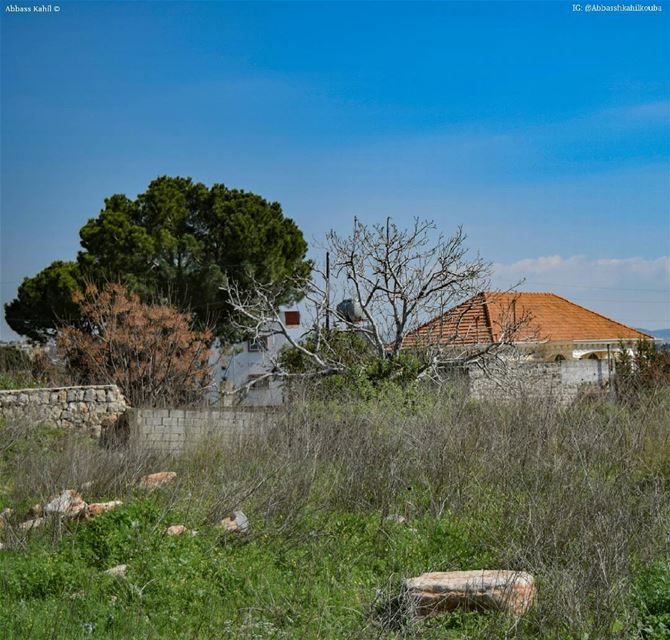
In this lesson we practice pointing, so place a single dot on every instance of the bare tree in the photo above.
(390, 283)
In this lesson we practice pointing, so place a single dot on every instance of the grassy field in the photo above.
(578, 496)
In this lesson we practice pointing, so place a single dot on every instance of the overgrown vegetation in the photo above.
(18, 370)
(578, 496)
(642, 371)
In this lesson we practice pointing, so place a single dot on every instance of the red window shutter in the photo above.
(292, 318)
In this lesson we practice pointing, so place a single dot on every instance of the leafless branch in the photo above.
(398, 280)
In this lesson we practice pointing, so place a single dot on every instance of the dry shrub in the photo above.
(149, 350)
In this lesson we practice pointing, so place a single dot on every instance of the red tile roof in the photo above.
(485, 317)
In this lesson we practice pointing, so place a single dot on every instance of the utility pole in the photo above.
(327, 292)
(611, 389)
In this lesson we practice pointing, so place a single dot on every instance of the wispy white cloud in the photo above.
(633, 290)
(606, 271)
(647, 112)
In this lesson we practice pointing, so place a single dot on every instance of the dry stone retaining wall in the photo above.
(172, 430)
(91, 408)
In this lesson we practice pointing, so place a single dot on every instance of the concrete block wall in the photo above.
(173, 430)
(89, 408)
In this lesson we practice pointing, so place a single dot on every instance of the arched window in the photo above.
(559, 358)
(593, 356)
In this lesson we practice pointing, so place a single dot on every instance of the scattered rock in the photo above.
(395, 517)
(5, 515)
(88, 627)
(36, 511)
(87, 485)
(119, 571)
(159, 479)
(237, 522)
(31, 524)
(69, 504)
(432, 593)
(176, 530)
(2, 546)
(100, 507)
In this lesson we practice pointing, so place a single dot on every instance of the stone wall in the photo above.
(172, 430)
(563, 381)
(91, 409)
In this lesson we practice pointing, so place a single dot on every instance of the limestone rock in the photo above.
(68, 504)
(36, 511)
(96, 508)
(159, 479)
(395, 517)
(432, 593)
(119, 571)
(31, 524)
(176, 530)
(5, 515)
(237, 522)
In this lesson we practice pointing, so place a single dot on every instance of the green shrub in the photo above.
(652, 595)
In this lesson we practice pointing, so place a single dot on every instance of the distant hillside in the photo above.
(663, 334)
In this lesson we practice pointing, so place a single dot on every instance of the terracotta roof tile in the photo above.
(483, 318)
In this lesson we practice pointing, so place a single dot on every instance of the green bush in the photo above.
(652, 596)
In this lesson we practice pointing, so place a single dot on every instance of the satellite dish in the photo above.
(350, 310)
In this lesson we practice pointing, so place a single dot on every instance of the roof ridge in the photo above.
(600, 315)
(520, 293)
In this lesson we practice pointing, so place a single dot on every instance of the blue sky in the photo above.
(544, 132)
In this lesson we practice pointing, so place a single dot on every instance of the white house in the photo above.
(251, 361)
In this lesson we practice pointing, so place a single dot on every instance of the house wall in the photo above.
(88, 408)
(240, 364)
(173, 430)
(243, 364)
